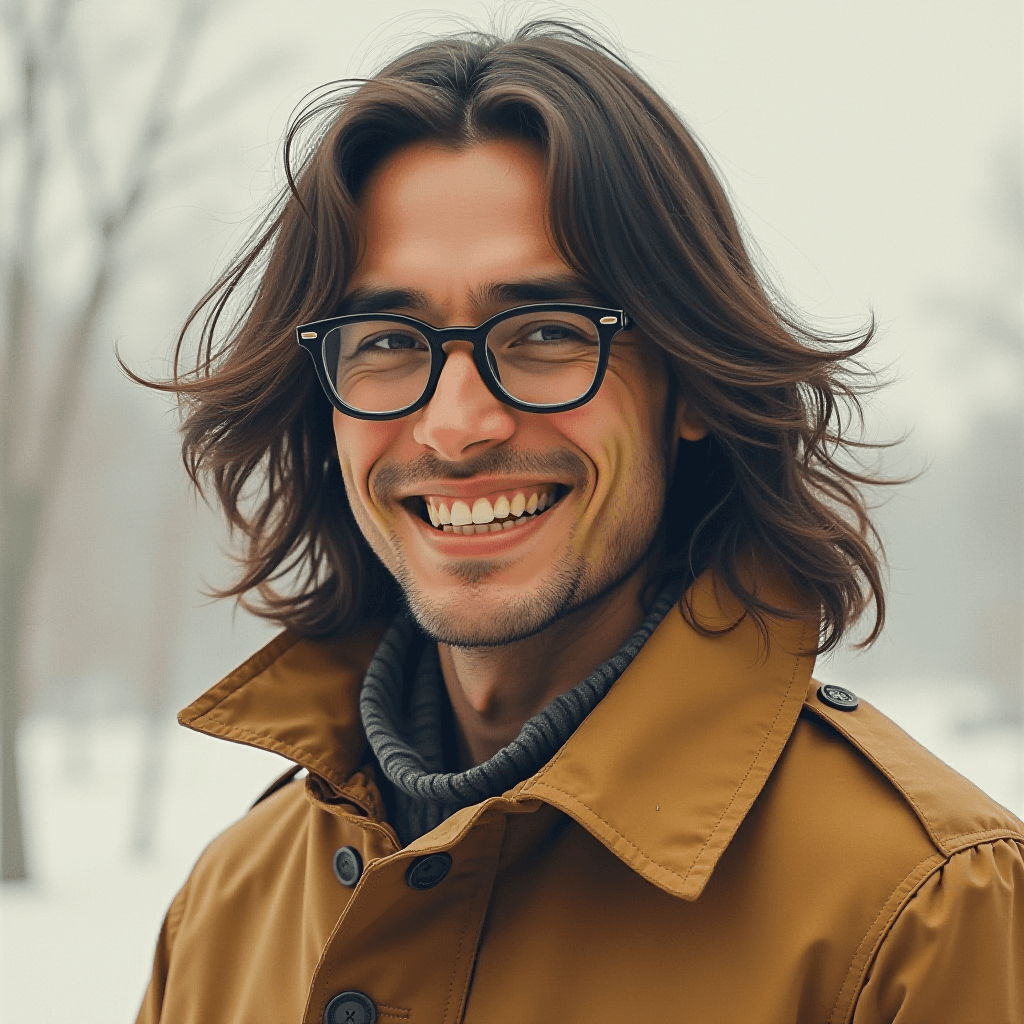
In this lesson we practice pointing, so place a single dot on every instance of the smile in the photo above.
(490, 514)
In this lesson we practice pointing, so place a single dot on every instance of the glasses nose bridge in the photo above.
(444, 335)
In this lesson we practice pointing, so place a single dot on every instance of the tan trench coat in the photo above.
(714, 844)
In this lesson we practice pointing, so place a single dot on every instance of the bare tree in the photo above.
(54, 110)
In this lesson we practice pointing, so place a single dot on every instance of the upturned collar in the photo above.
(662, 771)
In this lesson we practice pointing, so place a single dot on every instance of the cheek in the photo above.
(361, 445)
(622, 439)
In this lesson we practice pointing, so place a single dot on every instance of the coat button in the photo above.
(426, 872)
(348, 865)
(838, 697)
(350, 1008)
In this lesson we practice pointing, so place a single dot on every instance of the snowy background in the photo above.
(873, 151)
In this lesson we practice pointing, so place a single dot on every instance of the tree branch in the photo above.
(71, 368)
(35, 72)
(80, 132)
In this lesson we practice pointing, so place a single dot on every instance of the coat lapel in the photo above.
(666, 767)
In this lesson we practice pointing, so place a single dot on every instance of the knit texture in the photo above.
(403, 723)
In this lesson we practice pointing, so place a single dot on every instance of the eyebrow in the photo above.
(382, 300)
(560, 288)
(563, 288)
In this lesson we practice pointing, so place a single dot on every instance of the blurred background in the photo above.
(873, 151)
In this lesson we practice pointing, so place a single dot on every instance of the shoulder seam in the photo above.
(897, 902)
(876, 935)
(877, 930)
(972, 839)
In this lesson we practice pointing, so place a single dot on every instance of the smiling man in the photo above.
(521, 537)
(562, 503)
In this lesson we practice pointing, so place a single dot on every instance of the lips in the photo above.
(490, 513)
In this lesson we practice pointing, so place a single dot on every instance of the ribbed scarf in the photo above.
(403, 723)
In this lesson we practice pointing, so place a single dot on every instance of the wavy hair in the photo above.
(636, 209)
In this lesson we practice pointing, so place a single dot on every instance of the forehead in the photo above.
(445, 221)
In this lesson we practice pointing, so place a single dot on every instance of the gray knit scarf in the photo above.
(404, 725)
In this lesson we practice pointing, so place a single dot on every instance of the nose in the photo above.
(463, 417)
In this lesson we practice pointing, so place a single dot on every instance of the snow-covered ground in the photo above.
(77, 941)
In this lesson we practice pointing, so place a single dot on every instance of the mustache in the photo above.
(558, 464)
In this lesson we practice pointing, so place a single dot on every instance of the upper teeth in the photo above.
(459, 513)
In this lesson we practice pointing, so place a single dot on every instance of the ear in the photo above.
(689, 424)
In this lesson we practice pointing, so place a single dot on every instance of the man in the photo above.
(562, 503)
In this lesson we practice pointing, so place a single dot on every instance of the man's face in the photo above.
(448, 228)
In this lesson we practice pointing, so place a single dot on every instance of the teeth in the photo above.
(474, 528)
(484, 517)
(482, 511)
(461, 516)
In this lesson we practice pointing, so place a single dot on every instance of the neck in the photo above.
(494, 691)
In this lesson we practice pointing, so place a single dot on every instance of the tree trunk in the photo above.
(169, 602)
(18, 540)
(13, 865)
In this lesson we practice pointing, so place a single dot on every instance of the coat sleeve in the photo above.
(956, 951)
(151, 1010)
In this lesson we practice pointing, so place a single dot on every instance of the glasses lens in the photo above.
(544, 358)
(377, 366)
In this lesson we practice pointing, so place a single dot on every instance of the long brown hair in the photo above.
(636, 209)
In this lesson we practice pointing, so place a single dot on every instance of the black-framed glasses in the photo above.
(544, 357)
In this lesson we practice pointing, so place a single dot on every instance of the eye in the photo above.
(550, 333)
(392, 341)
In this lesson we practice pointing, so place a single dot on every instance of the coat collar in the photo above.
(296, 697)
(662, 771)
(666, 767)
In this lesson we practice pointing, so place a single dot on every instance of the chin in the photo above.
(481, 615)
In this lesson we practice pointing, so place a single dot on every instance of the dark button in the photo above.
(837, 697)
(350, 1008)
(348, 865)
(426, 872)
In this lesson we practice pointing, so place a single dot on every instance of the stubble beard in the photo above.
(569, 586)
